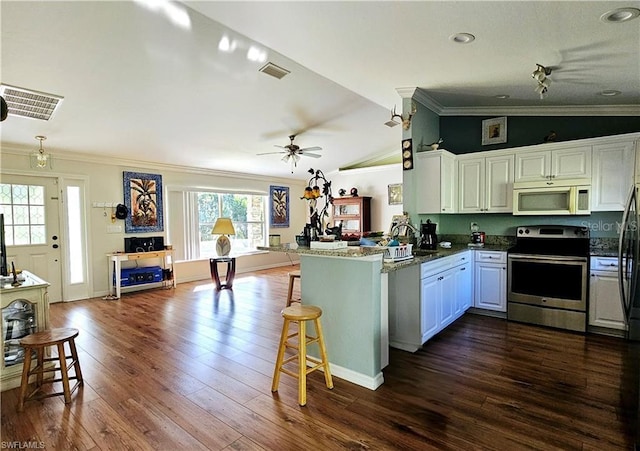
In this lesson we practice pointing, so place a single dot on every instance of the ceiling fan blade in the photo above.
(311, 148)
(281, 147)
(270, 153)
(312, 155)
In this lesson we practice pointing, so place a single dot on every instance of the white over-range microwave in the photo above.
(550, 197)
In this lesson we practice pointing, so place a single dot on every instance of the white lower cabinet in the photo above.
(490, 281)
(426, 298)
(605, 307)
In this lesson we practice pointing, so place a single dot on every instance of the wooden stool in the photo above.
(293, 275)
(300, 314)
(38, 342)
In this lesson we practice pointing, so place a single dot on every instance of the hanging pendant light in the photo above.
(40, 158)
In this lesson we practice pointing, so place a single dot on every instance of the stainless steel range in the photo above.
(547, 276)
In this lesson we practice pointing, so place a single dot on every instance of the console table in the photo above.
(115, 268)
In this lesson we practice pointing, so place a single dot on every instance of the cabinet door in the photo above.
(471, 185)
(447, 298)
(448, 184)
(605, 308)
(490, 287)
(430, 294)
(463, 289)
(571, 163)
(435, 182)
(532, 166)
(499, 184)
(612, 175)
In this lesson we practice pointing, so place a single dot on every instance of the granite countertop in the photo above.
(420, 256)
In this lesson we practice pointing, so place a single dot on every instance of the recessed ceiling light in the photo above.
(620, 15)
(502, 96)
(462, 38)
(610, 93)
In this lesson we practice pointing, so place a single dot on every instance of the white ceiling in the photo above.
(138, 86)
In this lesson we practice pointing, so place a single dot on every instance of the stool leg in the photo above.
(280, 358)
(323, 354)
(76, 361)
(24, 383)
(290, 294)
(302, 362)
(65, 375)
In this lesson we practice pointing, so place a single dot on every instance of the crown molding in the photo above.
(406, 93)
(131, 164)
(571, 110)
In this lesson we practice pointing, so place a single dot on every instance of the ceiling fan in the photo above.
(293, 152)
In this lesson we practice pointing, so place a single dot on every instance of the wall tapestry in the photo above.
(279, 206)
(143, 197)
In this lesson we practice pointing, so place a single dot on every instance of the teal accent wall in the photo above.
(601, 224)
(463, 134)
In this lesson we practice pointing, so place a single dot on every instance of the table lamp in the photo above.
(223, 227)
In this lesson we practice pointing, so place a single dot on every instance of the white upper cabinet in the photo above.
(569, 163)
(436, 182)
(485, 184)
(612, 175)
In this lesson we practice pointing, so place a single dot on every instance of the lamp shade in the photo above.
(223, 226)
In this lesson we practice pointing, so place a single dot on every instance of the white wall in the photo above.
(373, 182)
(106, 185)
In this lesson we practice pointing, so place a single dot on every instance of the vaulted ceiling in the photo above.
(179, 83)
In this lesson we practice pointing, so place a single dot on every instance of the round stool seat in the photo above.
(299, 312)
(49, 337)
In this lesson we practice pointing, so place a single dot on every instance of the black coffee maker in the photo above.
(428, 237)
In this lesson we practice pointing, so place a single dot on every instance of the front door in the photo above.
(32, 224)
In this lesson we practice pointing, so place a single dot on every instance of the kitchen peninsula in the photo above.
(351, 289)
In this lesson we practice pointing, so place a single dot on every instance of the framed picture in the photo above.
(494, 131)
(395, 194)
(143, 198)
(279, 196)
(407, 154)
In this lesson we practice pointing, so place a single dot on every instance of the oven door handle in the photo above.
(553, 258)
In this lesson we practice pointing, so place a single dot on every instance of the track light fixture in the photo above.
(540, 75)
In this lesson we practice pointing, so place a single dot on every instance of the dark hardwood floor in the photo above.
(191, 369)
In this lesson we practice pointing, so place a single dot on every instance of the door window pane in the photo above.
(24, 213)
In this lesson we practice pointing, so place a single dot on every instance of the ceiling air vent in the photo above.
(274, 71)
(28, 103)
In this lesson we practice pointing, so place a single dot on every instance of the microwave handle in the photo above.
(573, 200)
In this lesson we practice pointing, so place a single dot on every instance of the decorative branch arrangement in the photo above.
(312, 193)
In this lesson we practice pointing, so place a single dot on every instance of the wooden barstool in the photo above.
(38, 342)
(301, 314)
(293, 275)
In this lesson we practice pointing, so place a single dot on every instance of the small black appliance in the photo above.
(428, 237)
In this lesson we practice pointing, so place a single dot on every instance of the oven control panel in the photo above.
(550, 231)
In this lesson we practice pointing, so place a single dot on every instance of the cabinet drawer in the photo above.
(145, 255)
(429, 269)
(604, 264)
(491, 256)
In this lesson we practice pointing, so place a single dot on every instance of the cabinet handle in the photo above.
(462, 269)
(613, 264)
